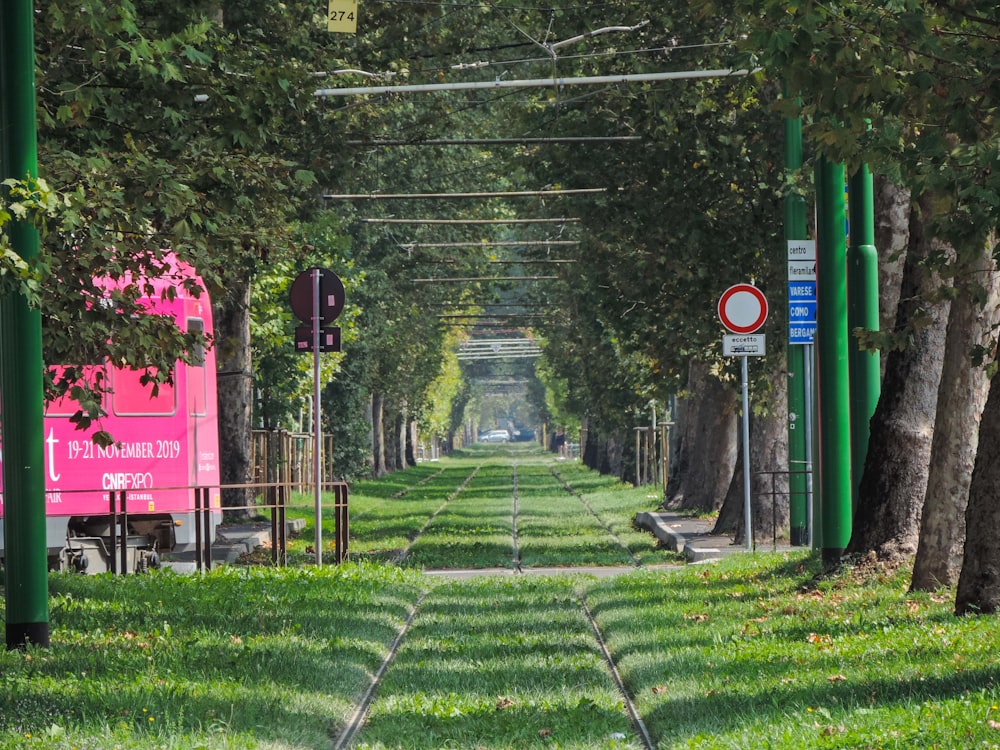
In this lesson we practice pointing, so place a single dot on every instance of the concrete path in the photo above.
(693, 538)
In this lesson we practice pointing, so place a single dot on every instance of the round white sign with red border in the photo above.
(742, 308)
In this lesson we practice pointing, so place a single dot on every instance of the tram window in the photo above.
(196, 383)
(131, 397)
(197, 325)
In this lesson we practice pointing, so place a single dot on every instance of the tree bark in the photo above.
(402, 420)
(412, 441)
(591, 452)
(961, 398)
(979, 581)
(769, 507)
(894, 482)
(379, 467)
(615, 454)
(892, 234)
(703, 467)
(235, 393)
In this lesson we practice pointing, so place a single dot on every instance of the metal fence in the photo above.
(272, 501)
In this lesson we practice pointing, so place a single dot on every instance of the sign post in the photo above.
(743, 310)
(317, 297)
(802, 305)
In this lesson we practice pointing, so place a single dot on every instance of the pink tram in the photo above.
(156, 489)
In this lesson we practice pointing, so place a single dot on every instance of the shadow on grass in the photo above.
(272, 653)
(498, 663)
(747, 655)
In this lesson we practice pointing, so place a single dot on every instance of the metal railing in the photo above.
(272, 499)
(781, 491)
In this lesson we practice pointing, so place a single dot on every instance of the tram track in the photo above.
(357, 719)
(354, 726)
(637, 723)
(513, 523)
(396, 495)
(404, 553)
(425, 480)
(569, 488)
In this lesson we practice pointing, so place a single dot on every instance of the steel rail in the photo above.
(357, 720)
(633, 712)
(566, 486)
(465, 483)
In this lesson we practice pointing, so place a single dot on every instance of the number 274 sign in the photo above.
(342, 16)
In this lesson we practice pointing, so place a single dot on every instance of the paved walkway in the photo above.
(693, 538)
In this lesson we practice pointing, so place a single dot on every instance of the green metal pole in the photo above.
(862, 312)
(21, 398)
(832, 343)
(795, 229)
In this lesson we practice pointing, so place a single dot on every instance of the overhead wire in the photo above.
(505, 97)
(582, 6)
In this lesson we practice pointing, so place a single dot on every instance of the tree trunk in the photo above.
(961, 398)
(707, 425)
(379, 467)
(615, 454)
(402, 421)
(892, 234)
(591, 452)
(769, 507)
(412, 441)
(894, 482)
(730, 518)
(235, 393)
(979, 581)
(390, 435)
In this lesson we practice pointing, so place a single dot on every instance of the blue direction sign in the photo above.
(801, 311)
(801, 291)
(802, 333)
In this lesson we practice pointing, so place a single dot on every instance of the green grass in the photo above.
(459, 513)
(757, 651)
(239, 658)
(741, 654)
(499, 663)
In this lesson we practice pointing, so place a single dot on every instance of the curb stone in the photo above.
(663, 528)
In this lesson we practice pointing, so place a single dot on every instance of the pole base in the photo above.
(798, 536)
(21, 635)
(832, 557)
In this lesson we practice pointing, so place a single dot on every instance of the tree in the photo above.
(894, 482)
(707, 446)
(979, 582)
(690, 210)
(960, 401)
(915, 106)
(144, 165)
